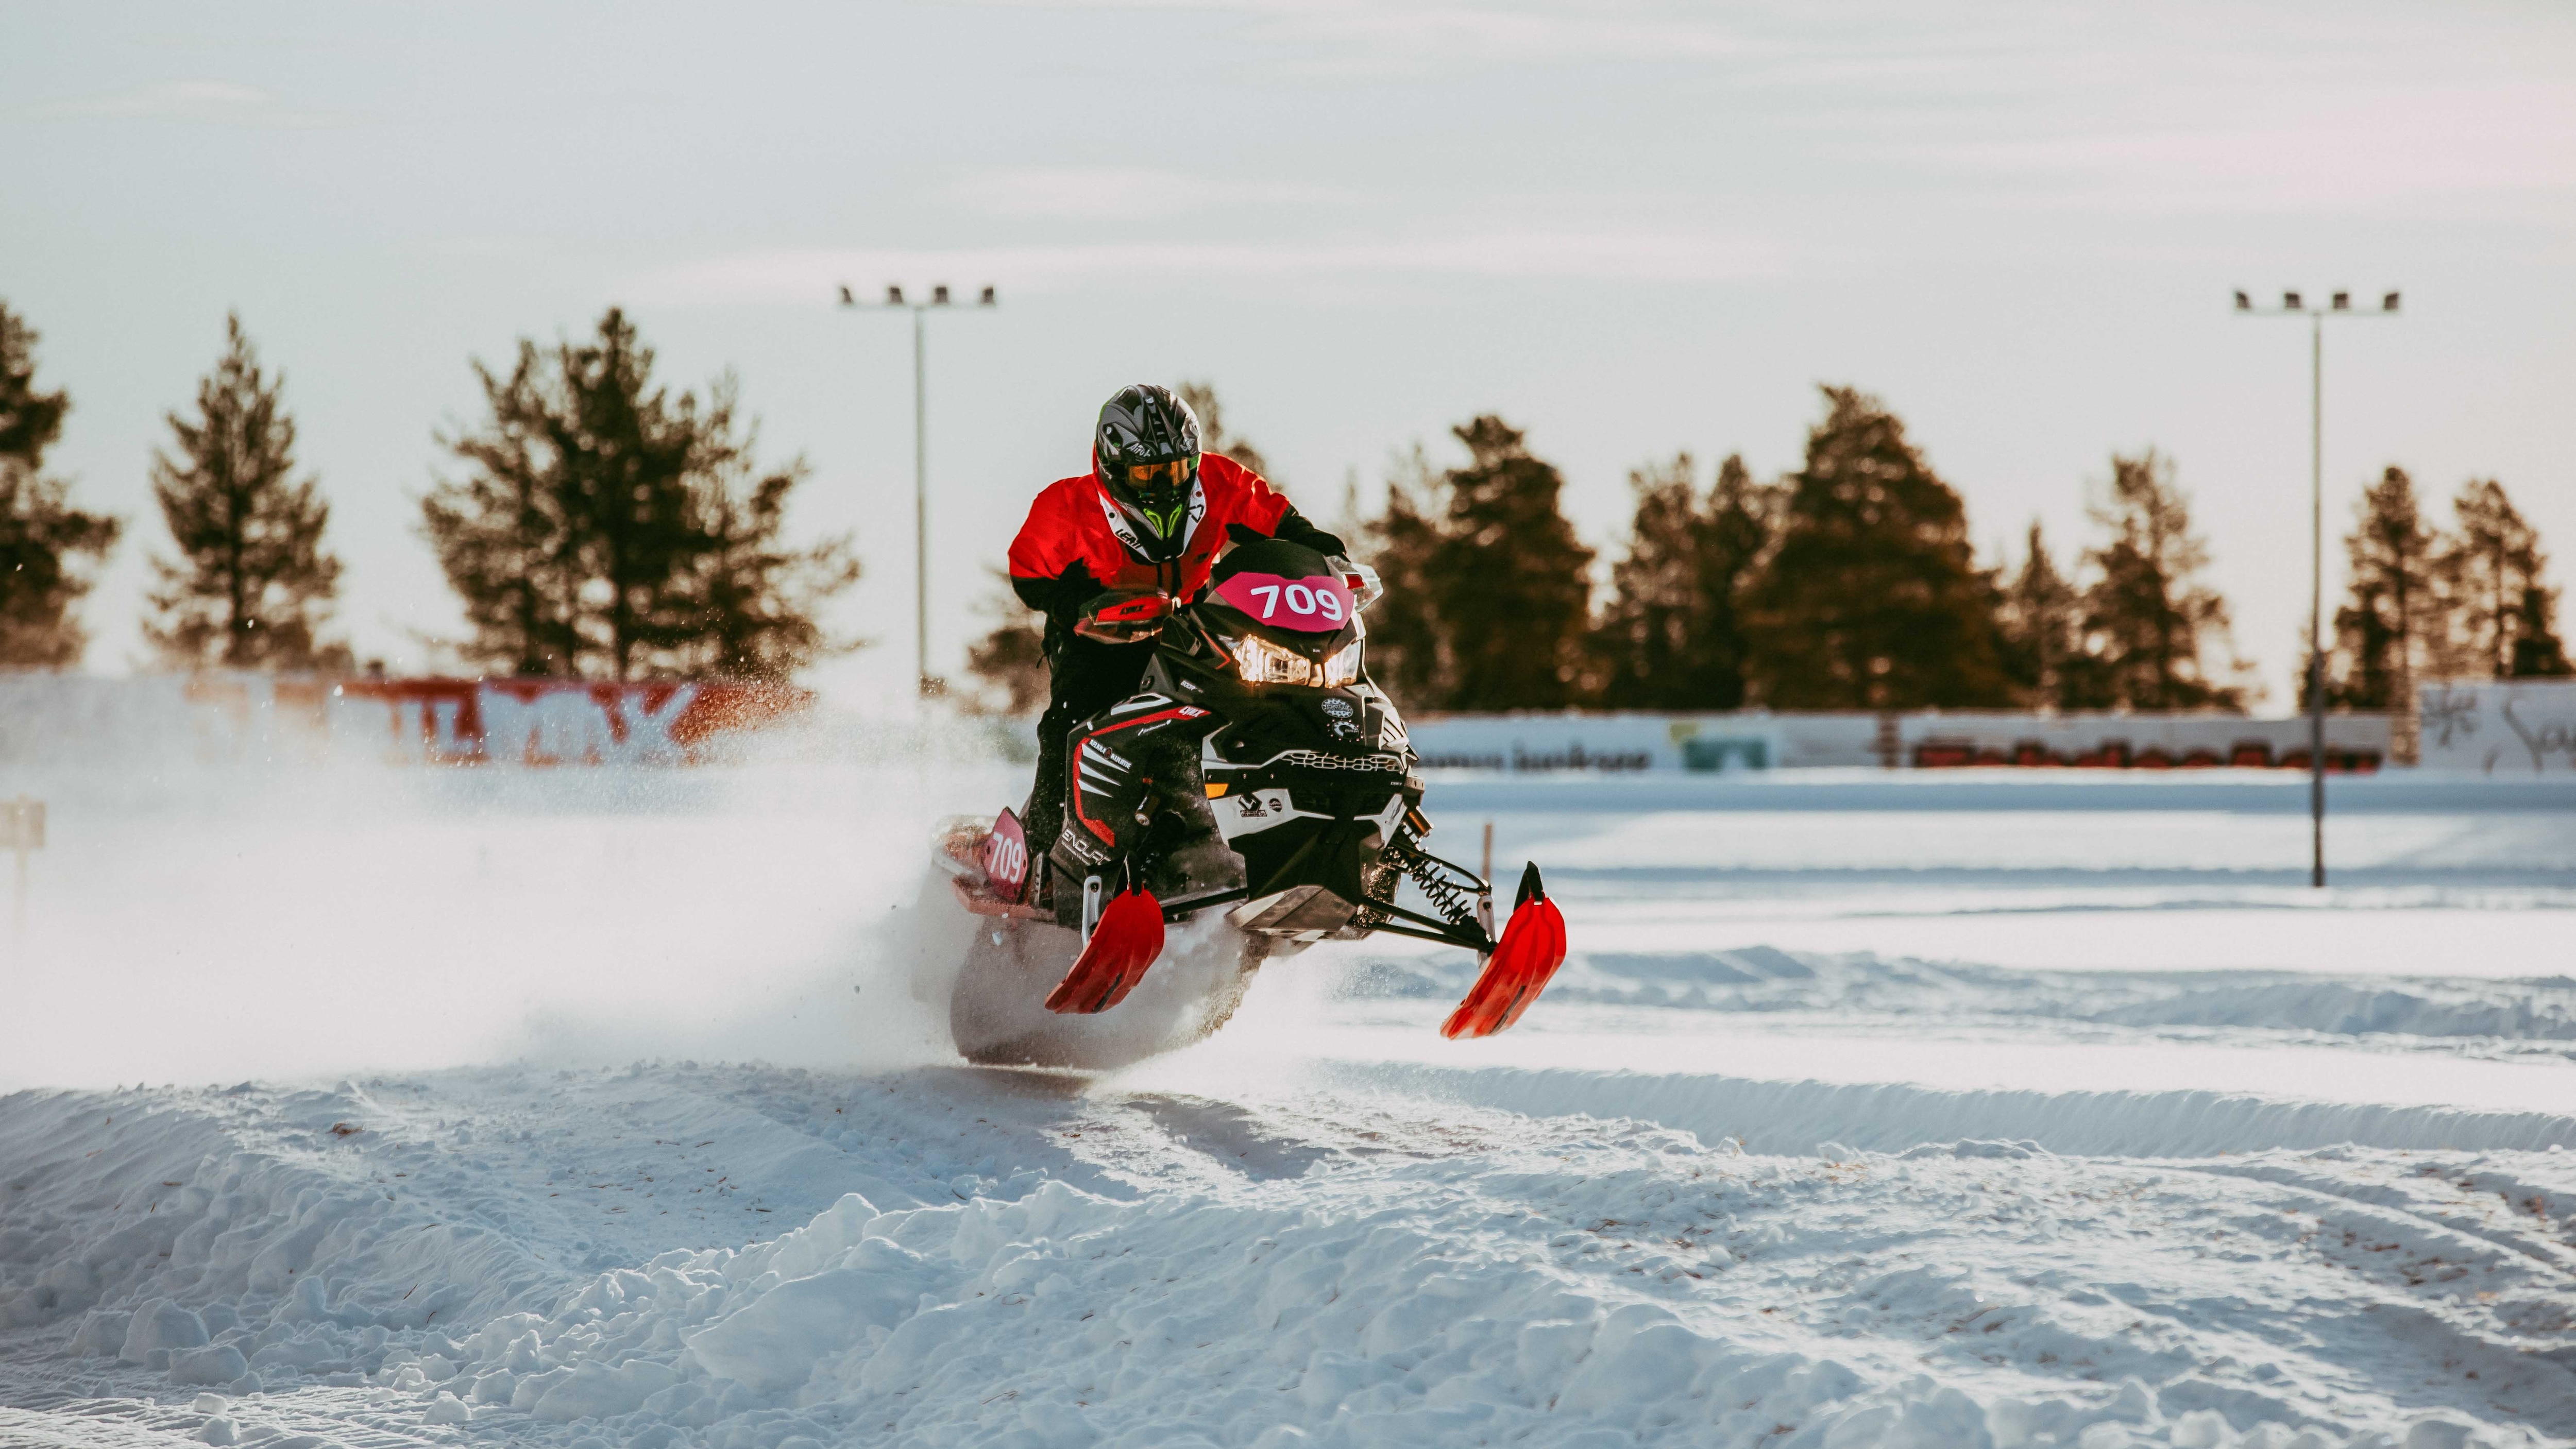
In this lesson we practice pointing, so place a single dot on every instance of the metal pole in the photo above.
(920, 509)
(2341, 306)
(2316, 597)
(923, 681)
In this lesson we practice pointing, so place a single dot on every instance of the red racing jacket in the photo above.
(1070, 551)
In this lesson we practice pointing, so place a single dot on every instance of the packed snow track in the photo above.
(1779, 1161)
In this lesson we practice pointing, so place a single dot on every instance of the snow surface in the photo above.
(1867, 1112)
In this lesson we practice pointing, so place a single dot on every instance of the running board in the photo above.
(1296, 911)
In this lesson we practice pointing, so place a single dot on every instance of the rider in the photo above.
(1150, 517)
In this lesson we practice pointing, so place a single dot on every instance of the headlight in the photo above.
(1261, 662)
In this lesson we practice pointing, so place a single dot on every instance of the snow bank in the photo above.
(1475, 1277)
(174, 1207)
(1864, 986)
(1803, 1117)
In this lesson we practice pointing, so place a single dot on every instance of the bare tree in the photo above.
(1213, 438)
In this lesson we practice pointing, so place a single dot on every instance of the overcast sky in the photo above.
(1629, 229)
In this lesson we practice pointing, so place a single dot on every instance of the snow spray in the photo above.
(220, 923)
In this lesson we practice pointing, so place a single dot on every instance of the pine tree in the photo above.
(1509, 580)
(1871, 597)
(1012, 658)
(253, 584)
(2147, 618)
(39, 529)
(2362, 670)
(503, 533)
(2394, 622)
(1408, 652)
(567, 538)
(2537, 653)
(1671, 637)
(1213, 438)
(2490, 566)
(2042, 627)
(604, 527)
(749, 606)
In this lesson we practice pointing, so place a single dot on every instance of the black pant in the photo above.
(1085, 677)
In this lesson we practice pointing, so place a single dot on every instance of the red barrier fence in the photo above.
(1941, 754)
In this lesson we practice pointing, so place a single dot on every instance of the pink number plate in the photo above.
(1313, 605)
(1006, 857)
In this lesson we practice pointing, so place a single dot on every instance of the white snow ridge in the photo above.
(1768, 1167)
(1032, 1263)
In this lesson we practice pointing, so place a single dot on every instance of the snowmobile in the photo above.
(1259, 794)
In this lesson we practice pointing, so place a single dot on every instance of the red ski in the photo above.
(1127, 939)
(1533, 946)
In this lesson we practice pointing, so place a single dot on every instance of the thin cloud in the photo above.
(2216, 112)
(1082, 193)
(808, 274)
(1376, 39)
(216, 102)
(1444, 35)
(2426, 153)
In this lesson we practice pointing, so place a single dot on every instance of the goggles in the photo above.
(1174, 474)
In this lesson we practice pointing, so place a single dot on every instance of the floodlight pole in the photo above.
(925, 682)
(921, 500)
(2293, 306)
(2316, 601)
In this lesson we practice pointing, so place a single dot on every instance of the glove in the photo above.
(1117, 618)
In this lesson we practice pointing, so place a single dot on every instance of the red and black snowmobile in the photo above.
(1258, 794)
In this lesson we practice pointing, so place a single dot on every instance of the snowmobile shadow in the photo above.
(1045, 1101)
(1036, 1084)
(1233, 1135)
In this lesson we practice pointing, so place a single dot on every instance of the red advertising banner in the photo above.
(557, 721)
(477, 721)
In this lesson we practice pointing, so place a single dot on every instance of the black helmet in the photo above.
(1146, 452)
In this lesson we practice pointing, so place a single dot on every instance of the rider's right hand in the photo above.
(1124, 618)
